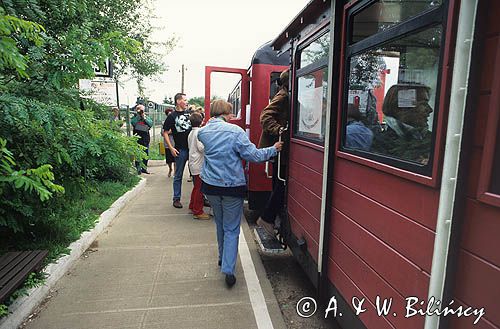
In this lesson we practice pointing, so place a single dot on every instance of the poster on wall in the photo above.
(310, 114)
(102, 90)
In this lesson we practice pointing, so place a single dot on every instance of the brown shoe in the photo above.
(177, 204)
(266, 226)
(202, 216)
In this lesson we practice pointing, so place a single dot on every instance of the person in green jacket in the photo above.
(142, 123)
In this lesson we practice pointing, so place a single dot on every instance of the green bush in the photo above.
(77, 147)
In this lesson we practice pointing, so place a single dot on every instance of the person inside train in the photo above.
(357, 135)
(223, 179)
(274, 119)
(406, 134)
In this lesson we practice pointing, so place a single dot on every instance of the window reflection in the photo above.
(316, 51)
(384, 14)
(311, 105)
(393, 88)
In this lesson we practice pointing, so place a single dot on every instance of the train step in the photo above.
(267, 242)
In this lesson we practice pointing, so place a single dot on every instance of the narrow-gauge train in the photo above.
(393, 183)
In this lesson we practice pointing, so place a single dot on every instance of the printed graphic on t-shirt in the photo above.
(182, 123)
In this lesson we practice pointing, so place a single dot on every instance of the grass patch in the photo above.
(154, 151)
(64, 225)
(82, 208)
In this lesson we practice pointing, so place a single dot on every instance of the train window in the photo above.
(312, 84)
(391, 98)
(316, 51)
(383, 14)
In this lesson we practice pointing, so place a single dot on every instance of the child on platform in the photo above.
(196, 156)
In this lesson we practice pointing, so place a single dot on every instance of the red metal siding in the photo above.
(370, 282)
(405, 277)
(304, 194)
(416, 201)
(478, 272)
(404, 235)
(349, 289)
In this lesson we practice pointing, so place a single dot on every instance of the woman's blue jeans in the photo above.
(227, 213)
(180, 163)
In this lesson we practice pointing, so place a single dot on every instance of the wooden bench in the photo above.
(15, 267)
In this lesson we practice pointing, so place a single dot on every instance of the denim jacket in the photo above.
(226, 145)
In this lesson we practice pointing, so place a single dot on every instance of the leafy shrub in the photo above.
(68, 146)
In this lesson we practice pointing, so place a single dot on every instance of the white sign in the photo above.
(103, 91)
(407, 98)
(311, 110)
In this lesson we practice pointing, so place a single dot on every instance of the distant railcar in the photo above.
(249, 97)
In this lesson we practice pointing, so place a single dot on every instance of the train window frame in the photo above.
(426, 174)
(491, 147)
(303, 71)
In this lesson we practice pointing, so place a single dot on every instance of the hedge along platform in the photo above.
(24, 306)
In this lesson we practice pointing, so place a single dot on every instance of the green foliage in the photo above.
(15, 183)
(13, 31)
(4, 310)
(198, 101)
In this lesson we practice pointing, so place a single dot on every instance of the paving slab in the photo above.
(156, 267)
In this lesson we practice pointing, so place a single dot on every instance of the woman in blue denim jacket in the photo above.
(223, 178)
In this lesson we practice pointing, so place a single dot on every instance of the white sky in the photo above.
(211, 33)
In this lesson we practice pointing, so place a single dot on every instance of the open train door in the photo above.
(237, 93)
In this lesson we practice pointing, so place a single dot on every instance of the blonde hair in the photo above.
(220, 107)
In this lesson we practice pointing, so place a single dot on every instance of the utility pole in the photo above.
(182, 79)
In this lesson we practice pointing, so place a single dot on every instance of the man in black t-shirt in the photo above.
(178, 124)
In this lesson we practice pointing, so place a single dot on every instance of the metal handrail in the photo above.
(281, 131)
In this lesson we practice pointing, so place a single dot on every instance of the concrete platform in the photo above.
(156, 267)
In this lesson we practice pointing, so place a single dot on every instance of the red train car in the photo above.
(249, 97)
(393, 183)
(393, 188)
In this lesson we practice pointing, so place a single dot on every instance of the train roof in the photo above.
(313, 13)
(267, 55)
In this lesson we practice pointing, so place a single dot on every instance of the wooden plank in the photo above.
(5, 262)
(307, 156)
(411, 239)
(481, 227)
(299, 231)
(478, 285)
(17, 261)
(467, 322)
(488, 62)
(480, 119)
(474, 170)
(305, 197)
(306, 220)
(411, 199)
(307, 177)
(493, 27)
(31, 261)
(404, 276)
(349, 290)
(371, 284)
